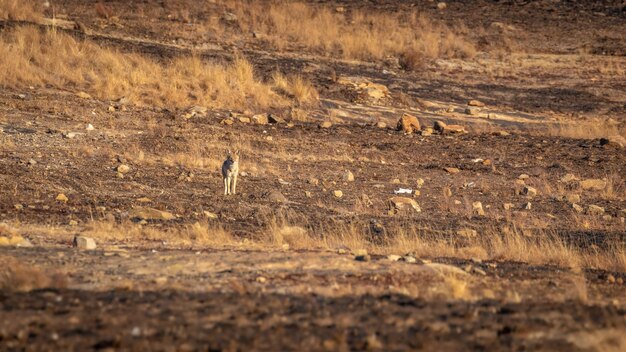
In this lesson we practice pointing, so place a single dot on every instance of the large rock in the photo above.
(593, 184)
(408, 124)
(147, 213)
(442, 269)
(404, 203)
(325, 124)
(83, 242)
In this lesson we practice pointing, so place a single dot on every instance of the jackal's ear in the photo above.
(237, 152)
(228, 153)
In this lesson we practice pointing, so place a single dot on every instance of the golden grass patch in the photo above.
(31, 57)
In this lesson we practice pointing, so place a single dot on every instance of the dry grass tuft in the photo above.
(296, 87)
(355, 35)
(18, 10)
(29, 56)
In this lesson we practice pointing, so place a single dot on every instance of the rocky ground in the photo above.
(541, 154)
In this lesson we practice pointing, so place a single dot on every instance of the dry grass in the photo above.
(297, 87)
(356, 35)
(18, 10)
(32, 57)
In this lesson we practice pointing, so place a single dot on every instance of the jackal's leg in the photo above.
(234, 184)
(226, 185)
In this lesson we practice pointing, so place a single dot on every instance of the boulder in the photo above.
(338, 194)
(83, 242)
(408, 124)
(451, 170)
(62, 198)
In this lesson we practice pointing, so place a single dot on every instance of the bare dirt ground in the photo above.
(283, 276)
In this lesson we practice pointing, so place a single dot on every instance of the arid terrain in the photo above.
(414, 175)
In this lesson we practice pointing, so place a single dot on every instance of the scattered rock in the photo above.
(408, 124)
(439, 126)
(528, 206)
(90, 127)
(419, 182)
(577, 208)
(32, 162)
(83, 242)
(73, 223)
(402, 203)
(479, 271)
(276, 197)
(313, 181)
(62, 198)
(477, 208)
(260, 119)
(229, 17)
(472, 111)
(70, 135)
(83, 95)
(467, 233)
(325, 124)
(442, 5)
(227, 122)
(477, 103)
(507, 206)
(451, 170)
(348, 176)
(610, 279)
(593, 184)
(572, 198)
(123, 169)
(146, 213)
(308, 194)
(529, 191)
(338, 194)
(443, 269)
(409, 259)
(363, 258)
(613, 141)
(18, 206)
(274, 119)
(523, 177)
(209, 215)
(381, 125)
(454, 129)
(595, 210)
(393, 257)
(244, 119)
(569, 178)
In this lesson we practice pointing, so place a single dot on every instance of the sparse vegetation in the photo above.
(355, 35)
